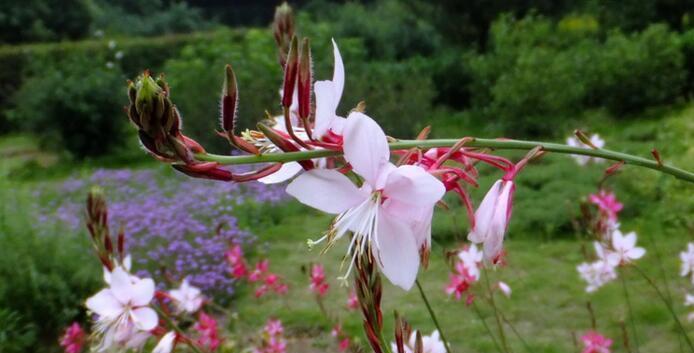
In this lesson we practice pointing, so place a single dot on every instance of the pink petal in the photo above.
(142, 292)
(418, 218)
(484, 214)
(325, 107)
(365, 147)
(286, 172)
(414, 186)
(145, 318)
(397, 252)
(327, 190)
(104, 304)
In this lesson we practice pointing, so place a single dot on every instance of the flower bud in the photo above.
(585, 139)
(304, 86)
(290, 73)
(283, 30)
(283, 144)
(230, 100)
(146, 100)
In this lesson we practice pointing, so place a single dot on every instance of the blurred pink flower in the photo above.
(352, 301)
(259, 271)
(73, 339)
(274, 327)
(607, 203)
(344, 344)
(318, 283)
(460, 281)
(208, 332)
(595, 343)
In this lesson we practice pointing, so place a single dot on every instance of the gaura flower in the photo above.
(594, 342)
(187, 298)
(328, 95)
(208, 332)
(430, 344)
(687, 258)
(504, 288)
(73, 339)
(124, 317)
(583, 160)
(166, 343)
(471, 259)
(607, 203)
(491, 218)
(624, 247)
(389, 214)
(318, 284)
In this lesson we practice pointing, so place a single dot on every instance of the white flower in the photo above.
(624, 246)
(118, 55)
(575, 142)
(491, 218)
(687, 258)
(111, 44)
(328, 95)
(430, 344)
(597, 274)
(166, 343)
(471, 257)
(187, 298)
(505, 288)
(124, 318)
(390, 215)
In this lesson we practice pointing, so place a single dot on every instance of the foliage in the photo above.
(72, 104)
(687, 43)
(38, 20)
(16, 336)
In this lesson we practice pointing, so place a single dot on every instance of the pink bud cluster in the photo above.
(207, 332)
(319, 285)
(343, 340)
(466, 272)
(272, 338)
(73, 339)
(594, 342)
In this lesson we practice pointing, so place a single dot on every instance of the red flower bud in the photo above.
(290, 73)
(305, 76)
(230, 100)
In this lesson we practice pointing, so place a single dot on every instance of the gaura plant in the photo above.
(382, 190)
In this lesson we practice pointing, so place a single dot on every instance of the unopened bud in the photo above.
(657, 157)
(418, 344)
(305, 77)
(146, 100)
(230, 100)
(290, 73)
(283, 30)
(283, 144)
(584, 139)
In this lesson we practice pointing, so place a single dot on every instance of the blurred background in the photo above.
(527, 69)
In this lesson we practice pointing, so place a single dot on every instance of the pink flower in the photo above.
(595, 343)
(607, 203)
(260, 269)
(460, 281)
(73, 339)
(208, 332)
(491, 218)
(234, 257)
(318, 283)
(274, 328)
(344, 344)
(390, 215)
(352, 301)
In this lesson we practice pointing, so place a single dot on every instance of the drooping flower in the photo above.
(504, 288)
(187, 298)
(166, 343)
(328, 95)
(73, 339)
(430, 344)
(607, 203)
(594, 342)
(390, 215)
(624, 246)
(208, 332)
(491, 218)
(124, 317)
(583, 160)
(687, 258)
(318, 284)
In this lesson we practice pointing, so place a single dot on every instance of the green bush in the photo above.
(74, 105)
(687, 45)
(45, 279)
(38, 20)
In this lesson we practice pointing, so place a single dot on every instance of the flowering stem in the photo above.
(502, 144)
(433, 316)
(630, 312)
(177, 329)
(500, 325)
(669, 306)
(489, 331)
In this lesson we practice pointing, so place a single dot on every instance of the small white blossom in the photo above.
(430, 344)
(187, 298)
(687, 258)
(166, 343)
(575, 142)
(624, 246)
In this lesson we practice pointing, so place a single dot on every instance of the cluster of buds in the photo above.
(369, 290)
(73, 339)
(109, 254)
(283, 30)
(265, 280)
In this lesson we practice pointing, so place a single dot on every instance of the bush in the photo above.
(687, 45)
(38, 20)
(74, 104)
(16, 336)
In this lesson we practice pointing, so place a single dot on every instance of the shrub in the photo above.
(16, 336)
(75, 104)
(37, 20)
(687, 45)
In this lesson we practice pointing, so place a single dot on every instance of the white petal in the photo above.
(165, 344)
(484, 213)
(286, 172)
(121, 285)
(327, 190)
(104, 304)
(397, 253)
(413, 185)
(636, 253)
(145, 318)
(142, 292)
(365, 146)
(325, 107)
(338, 74)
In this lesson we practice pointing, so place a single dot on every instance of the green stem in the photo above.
(433, 316)
(669, 306)
(630, 312)
(474, 142)
(515, 331)
(500, 325)
(486, 327)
